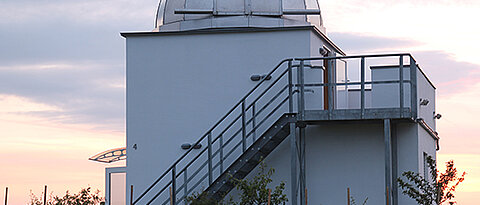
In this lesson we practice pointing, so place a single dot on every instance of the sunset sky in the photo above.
(62, 80)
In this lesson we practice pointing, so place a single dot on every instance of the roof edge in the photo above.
(235, 29)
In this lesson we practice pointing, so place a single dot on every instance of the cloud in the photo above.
(85, 93)
(39, 30)
(358, 43)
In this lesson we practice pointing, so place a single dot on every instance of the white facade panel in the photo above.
(178, 86)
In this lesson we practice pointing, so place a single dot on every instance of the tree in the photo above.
(439, 189)
(253, 192)
(84, 197)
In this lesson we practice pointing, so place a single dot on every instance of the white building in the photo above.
(252, 79)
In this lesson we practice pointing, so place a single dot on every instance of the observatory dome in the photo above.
(179, 15)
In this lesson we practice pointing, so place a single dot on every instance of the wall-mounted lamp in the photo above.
(260, 77)
(323, 51)
(424, 102)
(188, 146)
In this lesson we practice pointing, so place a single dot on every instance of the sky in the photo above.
(62, 80)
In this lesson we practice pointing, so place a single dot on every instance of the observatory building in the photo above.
(219, 85)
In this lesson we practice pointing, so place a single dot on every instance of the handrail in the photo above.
(354, 56)
(210, 130)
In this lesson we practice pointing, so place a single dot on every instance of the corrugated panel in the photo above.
(294, 4)
(198, 4)
(170, 7)
(267, 6)
(229, 6)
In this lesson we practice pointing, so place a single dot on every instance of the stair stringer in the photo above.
(259, 150)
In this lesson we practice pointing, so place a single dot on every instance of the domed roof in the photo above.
(178, 15)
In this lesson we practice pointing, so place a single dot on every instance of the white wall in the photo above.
(425, 90)
(178, 86)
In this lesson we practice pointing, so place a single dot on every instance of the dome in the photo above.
(180, 15)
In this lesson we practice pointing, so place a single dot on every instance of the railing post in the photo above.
(210, 167)
(244, 131)
(401, 86)
(301, 93)
(362, 87)
(290, 87)
(331, 86)
(221, 153)
(413, 87)
(174, 186)
(185, 187)
(254, 136)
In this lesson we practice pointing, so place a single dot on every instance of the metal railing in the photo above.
(255, 111)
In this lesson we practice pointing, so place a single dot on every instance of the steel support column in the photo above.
(302, 176)
(293, 162)
(388, 161)
(394, 164)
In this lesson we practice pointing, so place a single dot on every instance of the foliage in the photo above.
(353, 202)
(84, 197)
(438, 190)
(203, 199)
(253, 192)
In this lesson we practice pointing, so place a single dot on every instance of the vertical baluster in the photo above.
(290, 87)
(401, 85)
(413, 87)
(254, 124)
(185, 187)
(221, 153)
(244, 130)
(210, 167)
(331, 85)
(362, 87)
(301, 94)
(174, 187)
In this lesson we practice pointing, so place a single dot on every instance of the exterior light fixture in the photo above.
(187, 146)
(260, 77)
(424, 102)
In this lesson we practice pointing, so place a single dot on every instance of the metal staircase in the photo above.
(232, 145)
(271, 109)
(252, 156)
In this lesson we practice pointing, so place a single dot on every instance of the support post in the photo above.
(362, 87)
(394, 164)
(6, 195)
(348, 196)
(45, 196)
(413, 87)
(302, 165)
(388, 160)
(400, 70)
(290, 87)
(131, 195)
(293, 162)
